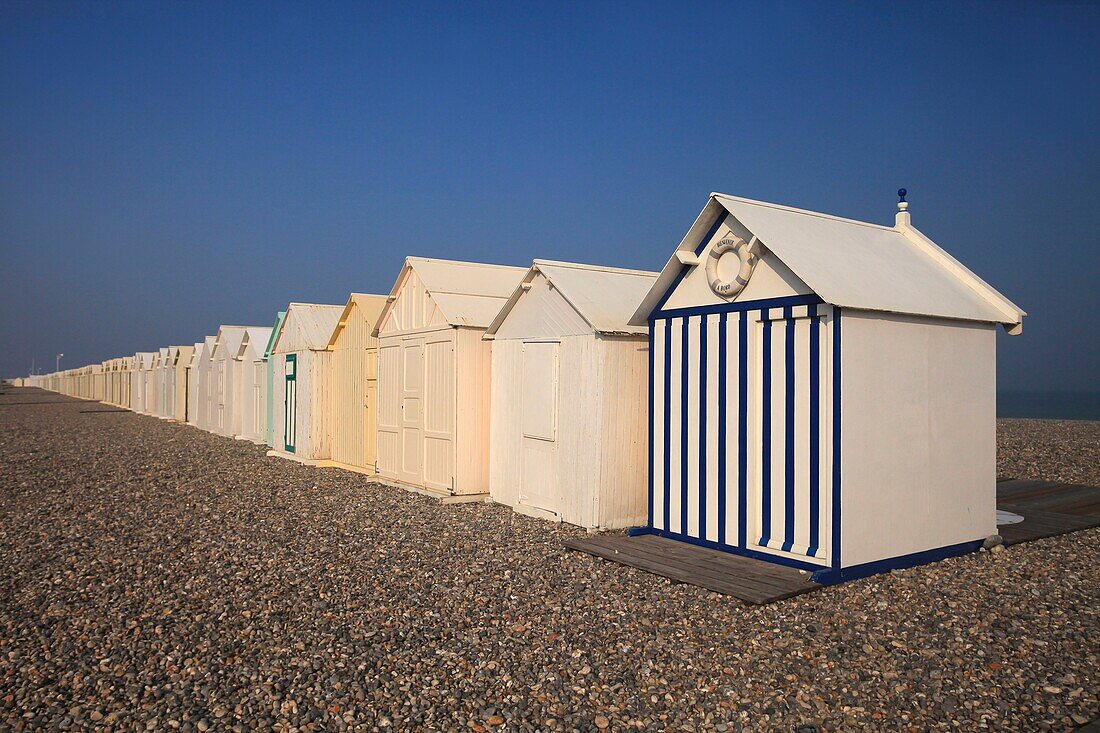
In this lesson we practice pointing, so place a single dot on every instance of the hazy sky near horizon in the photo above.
(168, 167)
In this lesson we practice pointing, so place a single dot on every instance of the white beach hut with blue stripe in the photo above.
(821, 391)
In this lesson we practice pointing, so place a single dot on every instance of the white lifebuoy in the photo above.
(730, 288)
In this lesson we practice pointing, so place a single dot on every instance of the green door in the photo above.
(290, 402)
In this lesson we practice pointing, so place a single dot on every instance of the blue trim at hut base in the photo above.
(832, 576)
(823, 575)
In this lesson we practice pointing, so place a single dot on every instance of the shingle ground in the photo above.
(155, 577)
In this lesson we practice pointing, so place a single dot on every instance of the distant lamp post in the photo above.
(57, 365)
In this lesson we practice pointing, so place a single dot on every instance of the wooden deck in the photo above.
(753, 581)
(1049, 508)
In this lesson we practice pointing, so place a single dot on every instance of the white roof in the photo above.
(255, 337)
(851, 263)
(144, 359)
(229, 340)
(310, 323)
(466, 293)
(605, 297)
(370, 307)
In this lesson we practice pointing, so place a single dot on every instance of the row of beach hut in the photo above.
(714, 402)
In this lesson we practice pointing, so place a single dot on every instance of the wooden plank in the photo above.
(1038, 524)
(753, 581)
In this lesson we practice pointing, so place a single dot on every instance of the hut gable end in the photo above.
(542, 312)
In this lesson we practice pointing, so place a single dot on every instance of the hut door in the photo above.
(411, 450)
(792, 426)
(539, 409)
(370, 400)
(257, 398)
(290, 402)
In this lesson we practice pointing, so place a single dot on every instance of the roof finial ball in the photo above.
(902, 217)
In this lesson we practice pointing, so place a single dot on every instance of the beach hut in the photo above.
(180, 382)
(125, 382)
(355, 384)
(822, 391)
(434, 374)
(202, 376)
(226, 418)
(166, 388)
(269, 435)
(140, 391)
(567, 436)
(302, 393)
(252, 399)
(194, 389)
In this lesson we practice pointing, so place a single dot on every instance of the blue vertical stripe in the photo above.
(668, 420)
(742, 428)
(766, 432)
(652, 464)
(789, 430)
(835, 548)
(685, 339)
(815, 435)
(722, 429)
(703, 476)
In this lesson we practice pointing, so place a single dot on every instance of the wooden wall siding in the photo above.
(253, 399)
(472, 398)
(622, 498)
(389, 406)
(312, 441)
(768, 487)
(542, 312)
(593, 472)
(413, 309)
(355, 387)
(918, 434)
(439, 410)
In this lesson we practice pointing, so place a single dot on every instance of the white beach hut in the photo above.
(181, 382)
(166, 382)
(201, 380)
(434, 374)
(141, 388)
(302, 394)
(570, 379)
(252, 402)
(822, 391)
(226, 369)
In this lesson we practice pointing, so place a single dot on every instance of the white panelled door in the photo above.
(410, 466)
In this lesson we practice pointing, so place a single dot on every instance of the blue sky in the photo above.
(168, 167)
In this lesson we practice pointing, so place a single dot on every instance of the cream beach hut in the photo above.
(201, 373)
(269, 436)
(142, 368)
(822, 391)
(570, 379)
(181, 382)
(193, 382)
(165, 379)
(253, 395)
(302, 391)
(434, 374)
(355, 384)
(226, 369)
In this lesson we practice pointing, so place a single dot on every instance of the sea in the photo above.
(1054, 405)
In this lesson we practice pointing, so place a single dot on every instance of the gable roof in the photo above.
(849, 263)
(196, 355)
(279, 318)
(228, 340)
(144, 359)
(370, 306)
(605, 297)
(255, 337)
(466, 293)
(311, 324)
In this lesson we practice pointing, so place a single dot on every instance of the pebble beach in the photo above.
(155, 577)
